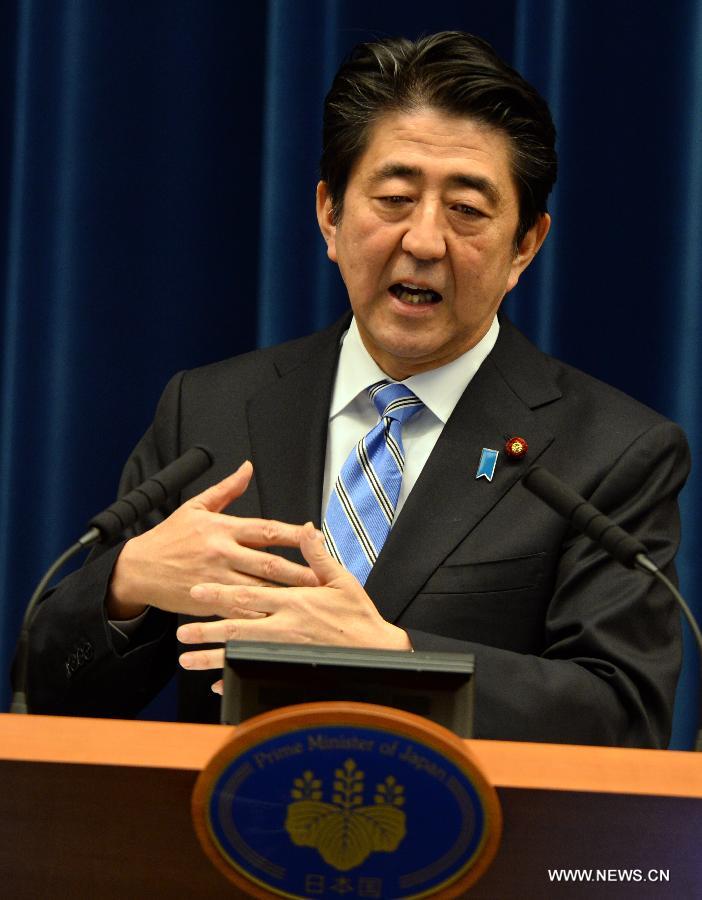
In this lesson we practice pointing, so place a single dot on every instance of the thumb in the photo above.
(218, 496)
(313, 548)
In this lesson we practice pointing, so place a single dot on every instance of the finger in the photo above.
(270, 568)
(232, 601)
(236, 577)
(267, 533)
(218, 687)
(220, 495)
(218, 632)
(313, 548)
(202, 659)
(239, 601)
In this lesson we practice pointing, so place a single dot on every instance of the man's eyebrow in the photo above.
(395, 170)
(474, 182)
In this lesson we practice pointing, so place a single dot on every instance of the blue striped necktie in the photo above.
(362, 505)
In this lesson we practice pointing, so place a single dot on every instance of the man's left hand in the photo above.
(338, 612)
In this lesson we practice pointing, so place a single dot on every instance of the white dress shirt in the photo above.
(352, 414)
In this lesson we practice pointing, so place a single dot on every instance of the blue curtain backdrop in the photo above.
(157, 170)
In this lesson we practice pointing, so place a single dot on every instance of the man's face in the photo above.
(426, 241)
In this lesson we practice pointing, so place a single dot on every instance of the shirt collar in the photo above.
(439, 389)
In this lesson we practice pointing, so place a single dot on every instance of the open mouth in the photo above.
(410, 293)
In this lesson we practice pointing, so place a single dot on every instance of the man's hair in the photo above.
(453, 72)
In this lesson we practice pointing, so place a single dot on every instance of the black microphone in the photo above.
(585, 518)
(107, 525)
(151, 494)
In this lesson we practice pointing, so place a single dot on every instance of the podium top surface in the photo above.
(174, 745)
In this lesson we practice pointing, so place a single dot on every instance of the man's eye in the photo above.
(466, 210)
(394, 199)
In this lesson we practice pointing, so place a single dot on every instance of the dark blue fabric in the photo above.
(157, 169)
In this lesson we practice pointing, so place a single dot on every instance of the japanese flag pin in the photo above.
(516, 448)
(486, 466)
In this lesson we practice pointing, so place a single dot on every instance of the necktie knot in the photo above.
(394, 400)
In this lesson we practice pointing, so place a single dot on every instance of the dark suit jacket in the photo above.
(569, 645)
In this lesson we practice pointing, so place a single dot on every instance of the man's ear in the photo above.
(528, 247)
(325, 218)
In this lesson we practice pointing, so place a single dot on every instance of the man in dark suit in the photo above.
(437, 163)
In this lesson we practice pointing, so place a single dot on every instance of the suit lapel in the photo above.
(447, 501)
(288, 428)
(288, 424)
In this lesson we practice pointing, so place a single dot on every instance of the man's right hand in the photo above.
(199, 544)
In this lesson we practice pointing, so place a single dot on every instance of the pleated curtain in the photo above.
(158, 162)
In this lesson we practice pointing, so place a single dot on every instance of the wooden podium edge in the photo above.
(506, 764)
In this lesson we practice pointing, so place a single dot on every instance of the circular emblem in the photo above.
(516, 448)
(346, 799)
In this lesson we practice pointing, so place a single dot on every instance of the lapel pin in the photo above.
(516, 448)
(486, 466)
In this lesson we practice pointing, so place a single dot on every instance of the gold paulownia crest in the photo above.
(345, 832)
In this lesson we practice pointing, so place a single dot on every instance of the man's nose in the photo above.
(424, 238)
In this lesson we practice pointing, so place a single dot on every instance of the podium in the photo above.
(99, 808)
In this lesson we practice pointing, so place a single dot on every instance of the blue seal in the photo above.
(330, 810)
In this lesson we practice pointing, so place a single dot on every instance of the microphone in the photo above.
(583, 516)
(106, 526)
(588, 520)
(151, 494)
